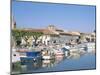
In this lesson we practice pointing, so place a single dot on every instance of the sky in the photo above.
(64, 16)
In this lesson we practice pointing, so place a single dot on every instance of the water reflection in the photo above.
(48, 63)
(60, 63)
(58, 59)
(31, 65)
(42, 63)
(74, 56)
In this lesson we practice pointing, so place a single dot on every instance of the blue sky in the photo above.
(64, 16)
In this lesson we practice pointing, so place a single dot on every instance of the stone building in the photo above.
(51, 35)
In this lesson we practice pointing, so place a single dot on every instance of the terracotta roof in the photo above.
(50, 32)
(45, 31)
(75, 33)
(65, 33)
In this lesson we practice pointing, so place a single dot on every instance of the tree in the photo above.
(17, 34)
(36, 36)
(27, 34)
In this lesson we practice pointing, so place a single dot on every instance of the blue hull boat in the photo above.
(31, 57)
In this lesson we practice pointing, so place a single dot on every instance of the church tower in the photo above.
(13, 23)
(51, 27)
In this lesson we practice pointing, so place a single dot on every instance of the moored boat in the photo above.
(47, 54)
(66, 51)
(59, 53)
(46, 57)
(15, 56)
(90, 47)
(31, 57)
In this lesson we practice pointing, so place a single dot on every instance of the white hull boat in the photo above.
(15, 57)
(59, 53)
(46, 57)
(90, 47)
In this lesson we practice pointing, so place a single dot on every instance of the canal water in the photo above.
(84, 62)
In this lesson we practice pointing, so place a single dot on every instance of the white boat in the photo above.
(86, 47)
(90, 47)
(59, 53)
(82, 48)
(15, 56)
(46, 57)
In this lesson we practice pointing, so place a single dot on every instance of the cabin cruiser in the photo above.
(30, 57)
